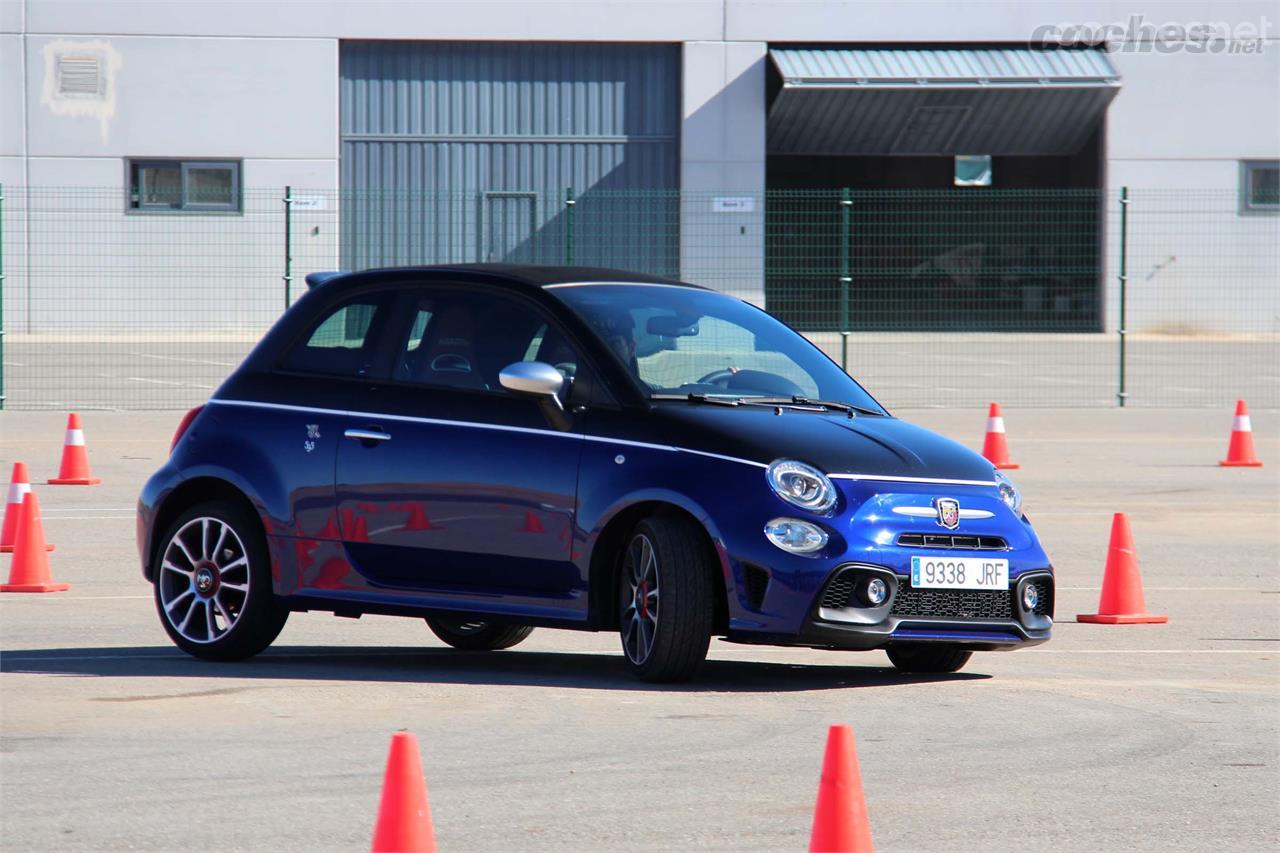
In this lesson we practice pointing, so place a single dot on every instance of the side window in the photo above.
(462, 339)
(341, 344)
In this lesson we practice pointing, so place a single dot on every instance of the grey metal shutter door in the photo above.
(463, 151)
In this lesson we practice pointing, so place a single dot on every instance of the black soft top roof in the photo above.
(529, 275)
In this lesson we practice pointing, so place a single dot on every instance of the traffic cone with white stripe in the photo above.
(18, 487)
(30, 569)
(994, 447)
(1240, 451)
(75, 459)
(1121, 601)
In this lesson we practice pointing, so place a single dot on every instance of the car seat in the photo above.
(448, 353)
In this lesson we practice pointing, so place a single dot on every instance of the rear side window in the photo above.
(342, 343)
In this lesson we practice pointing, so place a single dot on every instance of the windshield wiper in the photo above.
(699, 398)
(848, 408)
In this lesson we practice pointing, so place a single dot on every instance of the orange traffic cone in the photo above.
(994, 446)
(18, 486)
(840, 817)
(1121, 602)
(30, 569)
(404, 818)
(75, 459)
(1240, 451)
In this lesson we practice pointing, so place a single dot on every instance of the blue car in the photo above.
(494, 448)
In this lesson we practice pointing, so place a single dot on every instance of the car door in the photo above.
(449, 484)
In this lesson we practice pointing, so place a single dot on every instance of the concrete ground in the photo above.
(901, 370)
(1153, 737)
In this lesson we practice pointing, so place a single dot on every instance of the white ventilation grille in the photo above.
(80, 76)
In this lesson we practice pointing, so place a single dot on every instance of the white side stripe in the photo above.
(579, 437)
(475, 425)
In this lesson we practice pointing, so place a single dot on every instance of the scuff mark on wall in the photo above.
(80, 80)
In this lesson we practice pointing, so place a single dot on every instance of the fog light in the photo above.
(875, 592)
(1030, 597)
(796, 536)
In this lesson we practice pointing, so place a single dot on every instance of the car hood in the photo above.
(835, 443)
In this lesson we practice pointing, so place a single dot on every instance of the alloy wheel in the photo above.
(204, 580)
(640, 605)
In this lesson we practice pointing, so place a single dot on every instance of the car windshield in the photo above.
(682, 341)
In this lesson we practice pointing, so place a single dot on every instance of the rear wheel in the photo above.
(475, 635)
(666, 599)
(928, 658)
(213, 583)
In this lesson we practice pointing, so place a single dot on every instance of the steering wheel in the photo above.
(717, 377)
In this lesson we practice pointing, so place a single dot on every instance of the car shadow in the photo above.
(449, 666)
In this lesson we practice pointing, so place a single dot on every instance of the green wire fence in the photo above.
(929, 297)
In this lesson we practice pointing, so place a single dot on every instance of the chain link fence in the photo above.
(930, 298)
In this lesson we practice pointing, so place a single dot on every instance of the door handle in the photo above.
(367, 436)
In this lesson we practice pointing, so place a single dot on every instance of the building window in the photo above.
(184, 186)
(1260, 186)
(973, 170)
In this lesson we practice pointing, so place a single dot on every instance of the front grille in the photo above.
(756, 584)
(942, 603)
(953, 542)
(952, 603)
(839, 591)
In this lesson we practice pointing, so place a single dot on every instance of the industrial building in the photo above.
(700, 138)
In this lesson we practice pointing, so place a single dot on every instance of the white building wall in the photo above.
(249, 99)
(722, 148)
(1176, 134)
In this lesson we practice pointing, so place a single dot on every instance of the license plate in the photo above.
(959, 573)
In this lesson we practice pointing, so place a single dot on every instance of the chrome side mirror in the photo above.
(534, 379)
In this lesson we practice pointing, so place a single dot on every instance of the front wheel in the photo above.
(666, 600)
(927, 658)
(213, 583)
(474, 635)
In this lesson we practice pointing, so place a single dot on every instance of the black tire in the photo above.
(683, 600)
(474, 635)
(230, 561)
(908, 657)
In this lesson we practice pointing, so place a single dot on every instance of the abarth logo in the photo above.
(948, 512)
(313, 433)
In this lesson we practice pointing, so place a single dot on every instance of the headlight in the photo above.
(1009, 493)
(796, 536)
(801, 485)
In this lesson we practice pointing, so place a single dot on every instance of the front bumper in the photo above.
(979, 621)
(875, 530)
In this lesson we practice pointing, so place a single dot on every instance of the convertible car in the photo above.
(495, 448)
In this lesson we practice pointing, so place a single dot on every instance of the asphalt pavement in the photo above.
(1149, 737)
